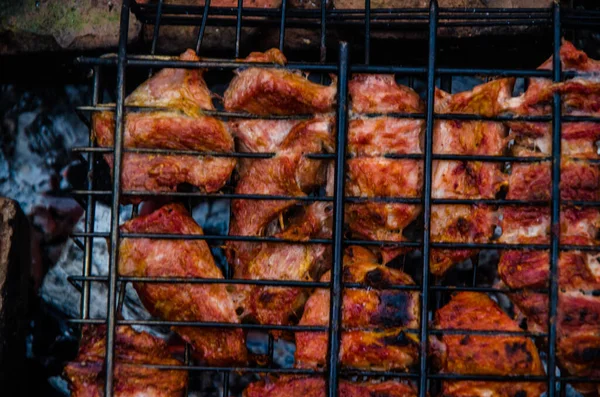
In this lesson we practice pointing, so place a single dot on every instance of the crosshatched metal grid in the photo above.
(429, 19)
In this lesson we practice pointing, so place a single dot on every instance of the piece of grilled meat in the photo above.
(483, 354)
(578, 311)
(180, 96)
(390, 311)
(273, 91)
(466, 179)
(283, 261)
(580, 96)
(316, 387)
(369, 173)
(145, 257)
(288, 173)
(132, 351)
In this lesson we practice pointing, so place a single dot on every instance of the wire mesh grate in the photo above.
(429, 20)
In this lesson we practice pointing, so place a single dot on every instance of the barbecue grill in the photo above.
(558, 20)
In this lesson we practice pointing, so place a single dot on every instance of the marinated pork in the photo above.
(132, 351)
(391, 312)
(145, 257)
(179, 96)
(483, 354)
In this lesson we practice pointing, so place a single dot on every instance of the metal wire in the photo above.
(370, 19)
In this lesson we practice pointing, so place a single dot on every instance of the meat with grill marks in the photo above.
(289, 173)
(179, 96)
(369, 173)
(145, 257)
(578, 310)
(580, 96)
(458, 224)
(276, 91)
(500, 355)
(391, 312)
(466, 179)
(132, 350)
(290, 386)
(279, 261)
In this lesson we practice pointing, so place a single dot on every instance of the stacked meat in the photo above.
(458, 179)
(169, 116)
(132, 350)
(370, 172)
(578, 321)
(379, 316)
(289, 173)
(374, 320)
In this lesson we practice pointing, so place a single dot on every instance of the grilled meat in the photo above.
(369, 174)
(390, 311)
(142, 257)
(578, 311)
(180, 96)
(132, 350)
(458, 224)
(579, 96)
(316, 387)
(288, 173)
(379, 93)
(466, 179)
(266, 91)
(483, 354)
(278, 261)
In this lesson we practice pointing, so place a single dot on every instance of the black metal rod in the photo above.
(323, 40)
(555, 215)
(282, 25)
(115, 205)
(156, 28)
(238, 28)
(367, 31)
(433, 10)
(335, 309)
(90, 212)
(202, 26)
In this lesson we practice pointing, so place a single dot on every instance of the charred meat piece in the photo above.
(132, 350)
(369, 174)
(272, 91)
(141, 257)
(278, 261)
(458, 224)
(578, 312)
(390, 311)
(179, 95)
(466, 179)
(483, 354)
(316, 387)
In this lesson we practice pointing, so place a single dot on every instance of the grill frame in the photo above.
(427, 19)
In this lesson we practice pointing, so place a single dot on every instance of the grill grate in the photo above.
(428, 20)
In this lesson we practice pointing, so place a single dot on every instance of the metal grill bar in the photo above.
(555, 215)
(115, 205)
(202, 26)
(427, 176)
(335, 310)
